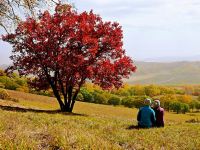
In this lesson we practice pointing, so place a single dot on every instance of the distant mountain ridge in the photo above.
(171, 73)
(173, 59)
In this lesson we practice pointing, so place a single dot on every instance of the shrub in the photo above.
(2, 85)
(80, 97)
(175, 106)
(138, 101)
(127, 102)
(184, 108)
(114, 100)
(179, 107)
(13, 82)
(197, 106)
(4, 94)
(23, 89)
(134, 101)
(99, 98)
(193, 104)
(137, 90)
(166, 100)
(122, 92)
(152, 90)
(87, 96)
(166, 90)
(11, 85)
(184, 98)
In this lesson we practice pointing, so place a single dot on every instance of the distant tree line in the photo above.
(180, 99)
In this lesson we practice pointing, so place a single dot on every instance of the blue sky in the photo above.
(152, 28)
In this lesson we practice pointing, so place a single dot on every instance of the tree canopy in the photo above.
(66, 48)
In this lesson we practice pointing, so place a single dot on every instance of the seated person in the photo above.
(159, 113)
(146, 115)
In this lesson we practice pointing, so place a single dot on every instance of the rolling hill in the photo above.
(166, 73)
(171, 73)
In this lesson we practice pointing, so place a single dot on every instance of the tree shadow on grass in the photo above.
(20, 109)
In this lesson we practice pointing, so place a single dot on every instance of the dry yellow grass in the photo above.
(92, 126)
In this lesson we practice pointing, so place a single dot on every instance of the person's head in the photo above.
(156, 103)
(147, 102)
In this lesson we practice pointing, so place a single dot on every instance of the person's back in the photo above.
(146, 115)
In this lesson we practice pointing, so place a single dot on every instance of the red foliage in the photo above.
(66, 48)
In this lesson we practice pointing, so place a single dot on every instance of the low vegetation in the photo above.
(179, 99)
(34, 122)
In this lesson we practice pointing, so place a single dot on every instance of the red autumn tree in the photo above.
(64, 49)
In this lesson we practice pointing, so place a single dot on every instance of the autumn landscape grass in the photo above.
(35, 123)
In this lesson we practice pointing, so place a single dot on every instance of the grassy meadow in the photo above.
(35, 123)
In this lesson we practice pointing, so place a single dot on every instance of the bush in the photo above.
(185, 108)
(127, 102)
(13, 82)
(11, 85)
(193, 104)
(4, 94)
(166, 100)
(99, 98)
(166, 90)
(184, 98)
(152, 90)
(175, 106)
(87, 96)
(80, 97)
(179, 107)
(24, 89)
(122, 92)
(2, 85)
(134, 101)
(197, 106)
(114, 100)
(138, 101)
(137, 90)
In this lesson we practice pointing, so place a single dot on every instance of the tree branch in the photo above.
(4, 28)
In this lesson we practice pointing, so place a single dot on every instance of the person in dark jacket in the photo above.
(159, 112)
(146, 115)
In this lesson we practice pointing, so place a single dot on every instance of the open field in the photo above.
(34, 123)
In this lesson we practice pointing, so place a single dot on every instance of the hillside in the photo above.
(167, 73)
(173, 73)
(35, 123)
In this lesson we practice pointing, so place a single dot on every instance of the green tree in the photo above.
(193, 104)
(166, 100)
(114, 100)
(197, 106)
(184, 108)
(175, 106)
